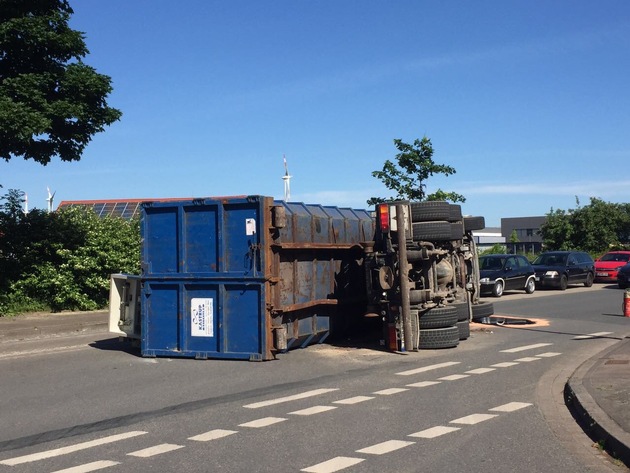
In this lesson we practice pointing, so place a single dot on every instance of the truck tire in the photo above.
(432, 231)
(437, 317)
(456, 213)
(457, 231)
(435, 338)
(462, 310)
(474, 223)
(464, 329)
(430, 211)
(481, 310)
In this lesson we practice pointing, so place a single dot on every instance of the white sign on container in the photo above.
(201, 317)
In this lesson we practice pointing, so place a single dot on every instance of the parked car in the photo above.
(607, 266)
(623, 276)
(559, 269)
(500, 273)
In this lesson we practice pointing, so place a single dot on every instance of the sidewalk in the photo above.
(597, 393)
(28, 327)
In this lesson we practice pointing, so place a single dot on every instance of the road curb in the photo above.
(591, 417)
(32, 327)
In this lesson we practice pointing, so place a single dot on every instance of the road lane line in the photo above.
(94, 466)
(510, 407)
(304, 395)
(390, 391)
(354, 400)
(423, 384)
(212, 435)
(454, 377)
(473, 419)
(505, 364)
(428, 368)
(526, 347)
(385, 447)
(42, 351)
(309, 411)
(480, 371)
(549, 354)
(592, 335)
(334, 464)
(527, 359)
(264, 422)
(434, 432)
(69, 449)
(155, 450)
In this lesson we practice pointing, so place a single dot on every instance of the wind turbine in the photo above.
(50, 199)
(287, 180)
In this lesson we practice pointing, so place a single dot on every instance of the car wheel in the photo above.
(589, 280)
(563, 282)
(497, 290)
(530, 287)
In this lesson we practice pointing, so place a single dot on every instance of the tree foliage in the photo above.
(414, 165)
(51, 103)
(595, 228)
(62, 260)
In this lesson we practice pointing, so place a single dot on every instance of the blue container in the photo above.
(247, 277)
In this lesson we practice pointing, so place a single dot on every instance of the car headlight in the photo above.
(484, 280)
(551, 274)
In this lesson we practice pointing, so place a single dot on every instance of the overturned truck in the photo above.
(249, 277)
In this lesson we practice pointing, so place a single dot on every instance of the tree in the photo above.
(414, 165)
(51, 103)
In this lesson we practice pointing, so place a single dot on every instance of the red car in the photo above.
(607, 266)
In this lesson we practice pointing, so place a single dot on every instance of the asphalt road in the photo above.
(86, 403)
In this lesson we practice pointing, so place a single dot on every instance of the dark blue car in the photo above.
(500, 273)
(559, 269)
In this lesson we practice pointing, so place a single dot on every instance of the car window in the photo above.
(621, 257)
(522, 262)
(584, 258)
(511, 263)
(573, 260)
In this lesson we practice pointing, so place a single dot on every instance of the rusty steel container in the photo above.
(248, 277)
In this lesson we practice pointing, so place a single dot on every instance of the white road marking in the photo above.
(271, 402)
(473, 419)
(264, 422)
(353, 400)
(526, 347)
(155, 450)
(510, 407)
(69, 449)
(212, 435)
(591, 335)
(454, 377)
(527, 359)
(434, 432)
(505, 364)
(41, 351)
(385, 447)
(390, 391)
(480, 371)
(428, 368)
(313, 410)
(423, 384)
(94, 466)
(549, 354)
(334, 464)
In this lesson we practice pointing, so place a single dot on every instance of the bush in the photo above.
(64, 258)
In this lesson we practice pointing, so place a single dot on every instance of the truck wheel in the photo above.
(457, 231)
(464, 329)
(432, 231)
(438, 317)
(435, 338)
(430, 211)
(474, 223)
(456, 213)
(481, 310)
(462, 310)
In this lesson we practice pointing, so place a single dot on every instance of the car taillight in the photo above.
(383, 213)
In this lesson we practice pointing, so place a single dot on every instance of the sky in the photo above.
(529, 101)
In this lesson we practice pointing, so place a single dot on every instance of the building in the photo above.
(527, 233)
